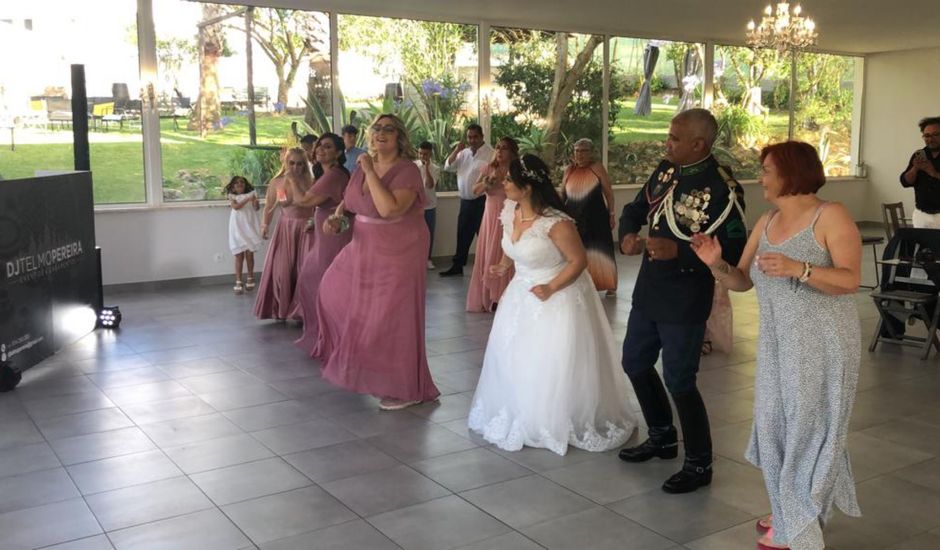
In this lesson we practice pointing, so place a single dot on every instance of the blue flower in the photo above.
(432, 87)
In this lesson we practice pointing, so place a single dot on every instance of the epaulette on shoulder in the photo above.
(729, 179)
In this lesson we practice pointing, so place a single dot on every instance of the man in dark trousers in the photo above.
(467, 160)
(688, 193)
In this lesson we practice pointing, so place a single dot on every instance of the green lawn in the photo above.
(631, 128)
(118, 167)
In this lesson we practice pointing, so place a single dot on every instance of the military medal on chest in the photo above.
(688, 211)
(665, 183)
(692, 207)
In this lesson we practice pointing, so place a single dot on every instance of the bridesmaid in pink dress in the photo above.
(372, 297)
(289, 243)
(326, 193)
(485, 289)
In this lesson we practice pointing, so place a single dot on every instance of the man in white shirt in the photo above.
(468, 159)
(430, 175)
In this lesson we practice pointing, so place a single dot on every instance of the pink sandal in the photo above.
(769, 545)
(764, 524)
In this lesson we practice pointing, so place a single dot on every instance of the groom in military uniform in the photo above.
(688, 193)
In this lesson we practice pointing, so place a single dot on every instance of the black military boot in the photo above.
(697, 469)
(692, 476)
(663, 441)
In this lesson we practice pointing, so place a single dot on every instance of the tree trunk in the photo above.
(252, 121)
(283, 86)
(207, 114)
(562, 89)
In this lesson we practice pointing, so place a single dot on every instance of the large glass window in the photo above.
(547, 90)
(235, 84)
(424, 71)
(650, 81)
(751, 105)
(40, 40)
(227, 102)
(824, 108)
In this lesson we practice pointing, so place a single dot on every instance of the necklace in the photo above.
(524, 219)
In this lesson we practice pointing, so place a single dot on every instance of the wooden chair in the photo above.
(894, 218)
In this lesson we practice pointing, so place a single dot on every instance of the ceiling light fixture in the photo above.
(783, 29)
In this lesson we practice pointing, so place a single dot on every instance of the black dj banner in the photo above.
(48, 271)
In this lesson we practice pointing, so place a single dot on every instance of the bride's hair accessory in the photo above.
(530, 173)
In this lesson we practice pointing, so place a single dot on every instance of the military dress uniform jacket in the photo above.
(681, 290)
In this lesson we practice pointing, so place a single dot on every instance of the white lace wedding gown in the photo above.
(551, 375)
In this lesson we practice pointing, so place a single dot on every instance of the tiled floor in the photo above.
(197, 426)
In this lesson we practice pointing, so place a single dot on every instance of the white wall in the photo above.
(163, 243)
(900, 89)
(178, 242)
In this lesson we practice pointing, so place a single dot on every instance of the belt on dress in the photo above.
(366, 219)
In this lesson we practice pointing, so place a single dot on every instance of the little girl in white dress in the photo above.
(244, 235)
(551, 374)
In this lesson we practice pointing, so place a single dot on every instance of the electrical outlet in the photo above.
(217, 257)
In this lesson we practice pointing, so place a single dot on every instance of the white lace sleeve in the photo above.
(507, 215)
(548, 220)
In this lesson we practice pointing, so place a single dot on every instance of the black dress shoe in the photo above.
(453, 271)
(650, 449)
(688, 479)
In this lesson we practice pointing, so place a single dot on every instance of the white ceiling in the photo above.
(845, 26)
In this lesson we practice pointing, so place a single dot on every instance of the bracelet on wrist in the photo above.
(807, 272)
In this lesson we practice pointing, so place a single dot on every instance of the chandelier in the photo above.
(784, 30)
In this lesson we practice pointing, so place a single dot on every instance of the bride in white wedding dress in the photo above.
(551, 375)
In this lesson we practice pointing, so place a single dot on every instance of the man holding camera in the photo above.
(923, 174)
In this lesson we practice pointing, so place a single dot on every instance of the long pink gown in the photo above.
(332, 184)
(485, 290)
(372, 297)
(290, 243)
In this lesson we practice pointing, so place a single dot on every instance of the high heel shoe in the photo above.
(250, 283)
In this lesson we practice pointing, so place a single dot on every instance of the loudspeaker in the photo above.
(80, 119)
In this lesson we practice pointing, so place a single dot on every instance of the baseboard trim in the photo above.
(442, 262)
(173, 284)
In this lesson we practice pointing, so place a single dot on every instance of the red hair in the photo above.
(798, 165)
